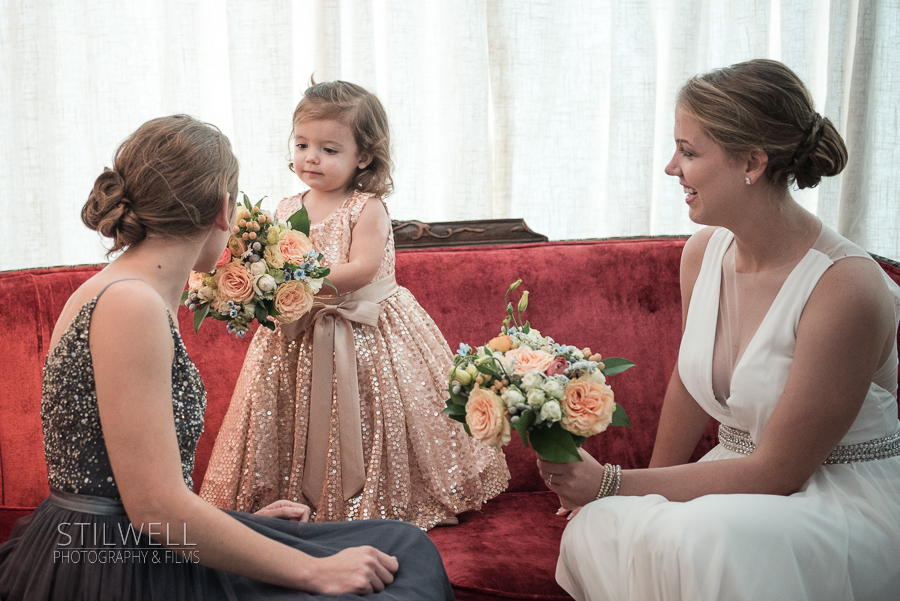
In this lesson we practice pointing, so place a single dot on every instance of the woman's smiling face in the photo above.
(711, 178)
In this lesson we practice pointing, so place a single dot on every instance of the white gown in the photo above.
(838, 538)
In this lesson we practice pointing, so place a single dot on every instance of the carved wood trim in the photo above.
(418, 234)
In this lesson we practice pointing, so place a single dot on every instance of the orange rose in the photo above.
(195, 281)
(234, 282)
(236, 246)
(588, 407)
(500, 343)
(527, 360)
(292, 301)
(486, 417)
(293, 245)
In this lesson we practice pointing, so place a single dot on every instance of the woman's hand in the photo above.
(357, 570)
(286, 510)
(575, 482)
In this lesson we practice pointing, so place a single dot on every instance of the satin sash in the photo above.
(334, 361)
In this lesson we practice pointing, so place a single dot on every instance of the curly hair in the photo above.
(763, 104)
(364, 114)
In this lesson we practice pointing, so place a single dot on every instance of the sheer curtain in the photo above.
(558, 112)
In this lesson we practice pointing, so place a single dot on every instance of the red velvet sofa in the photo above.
(620, 297)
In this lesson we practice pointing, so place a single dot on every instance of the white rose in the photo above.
(536, 398)
(551, 411)
(553, 388)
(249, 311)
(531, 380)
(315, 284)
(512, 397)
(257, 268)
(206, 293)
(595, 376)
(264, 284)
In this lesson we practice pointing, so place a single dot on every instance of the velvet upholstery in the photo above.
(620, 297)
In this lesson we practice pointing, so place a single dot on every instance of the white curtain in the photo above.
(558, 111)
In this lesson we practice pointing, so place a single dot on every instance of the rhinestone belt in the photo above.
(880, 448)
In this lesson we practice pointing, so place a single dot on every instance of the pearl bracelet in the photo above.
(612, 479)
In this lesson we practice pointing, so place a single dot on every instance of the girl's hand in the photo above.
(357, 570)
(576, 483)
(286, 510)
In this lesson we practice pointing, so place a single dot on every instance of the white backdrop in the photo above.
(558, 111)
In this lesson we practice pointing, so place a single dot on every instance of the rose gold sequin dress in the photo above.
(420, 466)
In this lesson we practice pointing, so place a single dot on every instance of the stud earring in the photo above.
(747, 179)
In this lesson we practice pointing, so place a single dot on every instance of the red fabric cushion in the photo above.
(507, 550)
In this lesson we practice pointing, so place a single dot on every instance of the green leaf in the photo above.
(616, 365)
(466, 428)
(619, 418)
(487, 368)
(199, 315)
(526, 419)
(328, 283)
(460, 418)
(579, 440)
(455, 410)
(261, 314)
(259, 202)
(300, 221)
(526, 328)
(247, 201)
(458, 399)
(554, 444)
(184, 296)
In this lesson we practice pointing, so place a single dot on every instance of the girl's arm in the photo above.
(366, 250)
(132, 350)
(846, 331)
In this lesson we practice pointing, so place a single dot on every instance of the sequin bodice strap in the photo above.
(74, 447)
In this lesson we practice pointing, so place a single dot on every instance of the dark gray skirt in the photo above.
(75, 547)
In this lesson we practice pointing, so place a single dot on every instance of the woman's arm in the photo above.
(844, 335)
(366, 250)
(132, 350)
(682, 421)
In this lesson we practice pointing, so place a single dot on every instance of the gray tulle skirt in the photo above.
(75, 547)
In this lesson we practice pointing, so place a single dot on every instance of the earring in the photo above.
(747, 179)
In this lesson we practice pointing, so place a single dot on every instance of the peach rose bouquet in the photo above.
(269, 272)
(553, 395)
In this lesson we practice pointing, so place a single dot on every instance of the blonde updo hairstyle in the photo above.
(763, 104)
(363, 113)
(168, 179)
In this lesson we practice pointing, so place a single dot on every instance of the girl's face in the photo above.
(325, 155)
(711, 178)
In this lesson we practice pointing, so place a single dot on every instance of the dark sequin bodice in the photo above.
(74, 447)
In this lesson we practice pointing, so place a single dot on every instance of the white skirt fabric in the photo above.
(836, 539)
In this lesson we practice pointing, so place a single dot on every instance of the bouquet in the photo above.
(269, 271)
(554, 395)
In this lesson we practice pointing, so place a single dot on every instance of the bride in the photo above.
(790, 342)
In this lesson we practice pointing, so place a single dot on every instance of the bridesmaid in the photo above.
(790, 342)
(122, 411)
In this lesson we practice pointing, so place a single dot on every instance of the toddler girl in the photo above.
(340, 410)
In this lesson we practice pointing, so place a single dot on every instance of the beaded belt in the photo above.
(880, 448)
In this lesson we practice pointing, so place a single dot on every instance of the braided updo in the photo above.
(763, 104)
(168, 179)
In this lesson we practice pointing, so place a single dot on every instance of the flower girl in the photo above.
(341, 410)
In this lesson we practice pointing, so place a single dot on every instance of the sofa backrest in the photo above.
(619, 297)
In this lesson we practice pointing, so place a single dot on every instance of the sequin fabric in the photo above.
(421, 467)
(74, 447)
